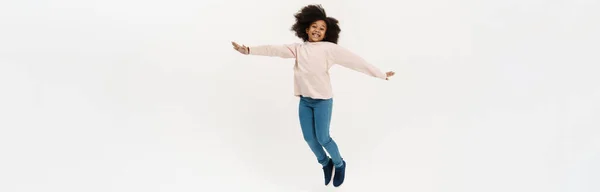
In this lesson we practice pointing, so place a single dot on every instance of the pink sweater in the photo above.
(313, 61)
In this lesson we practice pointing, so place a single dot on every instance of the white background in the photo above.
(132, 95)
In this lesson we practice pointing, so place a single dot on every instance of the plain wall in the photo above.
(134, 95)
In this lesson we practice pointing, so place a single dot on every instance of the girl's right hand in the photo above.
(241, 48)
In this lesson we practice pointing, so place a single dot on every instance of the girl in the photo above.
(314, 57)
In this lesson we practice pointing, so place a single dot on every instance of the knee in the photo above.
(324, 141)
(310, 139)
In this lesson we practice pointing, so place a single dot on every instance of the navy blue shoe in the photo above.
(340, 174)
(328, 171)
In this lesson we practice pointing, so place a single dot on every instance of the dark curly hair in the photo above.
(311, 13)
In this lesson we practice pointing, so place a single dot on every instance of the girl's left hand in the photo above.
(389, 74)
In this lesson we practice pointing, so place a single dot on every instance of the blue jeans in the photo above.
(315, 117)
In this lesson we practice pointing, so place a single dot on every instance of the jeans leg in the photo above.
(306, 115)
(322, 117)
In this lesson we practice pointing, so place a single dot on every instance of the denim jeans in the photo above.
(315, 117)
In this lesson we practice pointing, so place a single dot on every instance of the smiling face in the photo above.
(316, 31)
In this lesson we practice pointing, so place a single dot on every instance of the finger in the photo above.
(235, 45)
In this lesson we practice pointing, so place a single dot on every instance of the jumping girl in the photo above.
(313, 59)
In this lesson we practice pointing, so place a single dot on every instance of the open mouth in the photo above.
(316, 36)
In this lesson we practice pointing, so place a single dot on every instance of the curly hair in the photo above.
(311, 13)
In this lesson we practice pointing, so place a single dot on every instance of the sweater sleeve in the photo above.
(283, 51)
(348, 59)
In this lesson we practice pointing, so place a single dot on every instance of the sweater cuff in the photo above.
(383, 76)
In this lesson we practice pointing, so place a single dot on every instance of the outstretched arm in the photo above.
(346, 58)
(283, 51)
